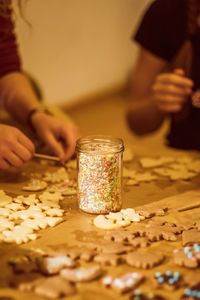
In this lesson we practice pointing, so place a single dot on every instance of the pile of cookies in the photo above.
(174, 168)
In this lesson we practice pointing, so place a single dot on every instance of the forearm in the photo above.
(17, 95)
(143, 116)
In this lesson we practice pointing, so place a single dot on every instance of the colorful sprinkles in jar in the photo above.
(99, 174)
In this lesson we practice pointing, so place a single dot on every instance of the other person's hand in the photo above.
(59, 136)
(15, 147)
(171, 91)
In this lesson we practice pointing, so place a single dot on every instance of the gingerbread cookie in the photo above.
(190, 237)
(188, 257)
(123, 283)
(120, 236)
(23, 264)
(108, 259)
(53, 265)
(150, 210)
(35, 185)
(144, 259)
(140, 242)
(168, 280)
(112, 248)
(54, 287)
(82, 274)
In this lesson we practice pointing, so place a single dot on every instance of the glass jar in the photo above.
(99, 187)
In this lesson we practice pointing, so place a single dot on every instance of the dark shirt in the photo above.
(9, 57)
(163, 31)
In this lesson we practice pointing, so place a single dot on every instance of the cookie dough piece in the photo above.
(123, 283)
(29, 200)
(108, 259)
(35, 185)
(19, 235)
(150, 210)
(190, 237)
(54, 287)
(148, 162)
(47, 196)
(4, 199)
(29, 213)
(130, 214)
(168, 280)
(63, 249)
(56, 177)
(144, 259)
(103, 223)
(5, 212)
(188, 257)
(82, 274)
(5, 224)
(53, 265)
(54, 212)
(156, 233)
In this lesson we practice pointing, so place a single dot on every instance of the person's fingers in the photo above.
(175, 79)
(170, 108)
(23, 153)
(179, 72)
(69, 138)
(26, 142)
(4, 165)
(170, 99)
(13, 159)
(54, 145)
(170, 89)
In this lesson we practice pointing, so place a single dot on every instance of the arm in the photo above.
(19, 99)
(153, 95)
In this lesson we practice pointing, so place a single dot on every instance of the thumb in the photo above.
(54, 145)
(179, 71)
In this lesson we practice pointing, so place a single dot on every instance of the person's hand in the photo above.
(59, 136)
(15, 147)
(171, 91)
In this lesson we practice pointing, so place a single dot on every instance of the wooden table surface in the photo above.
(78, 225)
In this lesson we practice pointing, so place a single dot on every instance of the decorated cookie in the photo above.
(123, 283)
(138, 295)
(82, 274)
(190, 237)
(168, 280)
(53, 265)
(192, 293)
(35, 185)
(108, 259)
(188, 257)
(144, 259)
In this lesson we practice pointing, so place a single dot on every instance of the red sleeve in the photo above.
(9, 56)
